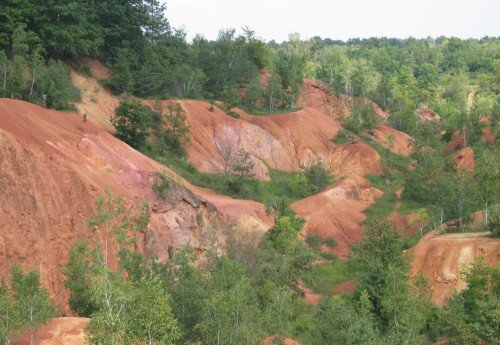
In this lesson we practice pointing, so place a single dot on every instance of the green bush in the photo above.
(54, 88)
(162, 187)
(330, 242)
(314, 241)
(132, 122)
(318, 177)
(362, 118)
(343, 137)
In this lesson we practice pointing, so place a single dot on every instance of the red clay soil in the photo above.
(53, 167)
(58, 331)
(427, 115)
(310, 297)
(400, 143)
(442, 258)
(318, 96)
(288, 142)
(338, 212)
(345, 288)
(286, 341)
(407, 224)
(464, 159)
(96, 101)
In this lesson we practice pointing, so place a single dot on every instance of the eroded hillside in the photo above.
(54, 166)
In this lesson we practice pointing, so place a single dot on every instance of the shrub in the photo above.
(132, 122)
(54, 88)
(330, 242)
(162, 187)
(363, 118)
(343, 137)
(314, 240)
(317, 177)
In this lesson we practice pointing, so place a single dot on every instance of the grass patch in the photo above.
(323, 279)
(344, 137)
(385, 204)
(161, 188)
(284, 187)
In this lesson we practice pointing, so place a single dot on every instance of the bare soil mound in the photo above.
(338, 212)
(442, 258)
(58, 331)
(397, 142)
(464, 159)
(53, 167)
(426, 114)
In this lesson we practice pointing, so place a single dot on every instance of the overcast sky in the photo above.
(338, 19)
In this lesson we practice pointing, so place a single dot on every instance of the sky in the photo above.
(338, 19)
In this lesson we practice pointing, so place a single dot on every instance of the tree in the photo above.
(487, 171)
(112, 295)
(32, 302)
(68, 28)
(78, 272)
(362, 118)
(339, 321)
(54, 88)
(229, 314)
(121, 79)
(4, 67)
(36, 61)
(9, 318)
(17, 84)
(380, 252)
(132, 122)
(150, 318)
(172, 130)
(471, 316)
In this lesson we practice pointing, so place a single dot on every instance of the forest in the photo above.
(248, 293)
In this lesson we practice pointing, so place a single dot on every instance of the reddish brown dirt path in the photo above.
(58, 331)
(442, 258)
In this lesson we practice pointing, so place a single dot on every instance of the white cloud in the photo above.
(338, 19)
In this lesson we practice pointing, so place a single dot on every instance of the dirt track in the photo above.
(443, 258)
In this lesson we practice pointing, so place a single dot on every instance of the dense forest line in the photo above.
(251, 291)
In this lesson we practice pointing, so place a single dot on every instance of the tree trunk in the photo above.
(486, 214)
(32, 83)
(4, 79)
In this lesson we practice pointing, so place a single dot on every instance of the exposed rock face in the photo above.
(52, 168)
(443, 258)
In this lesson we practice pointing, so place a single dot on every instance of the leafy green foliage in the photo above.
(162, 187)
(317, 176)
(10, 324)
(362, 118)
(32, 305)
(171, 130)
(469, 317)
(132, 122)
(339, 321)
(78, 270)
